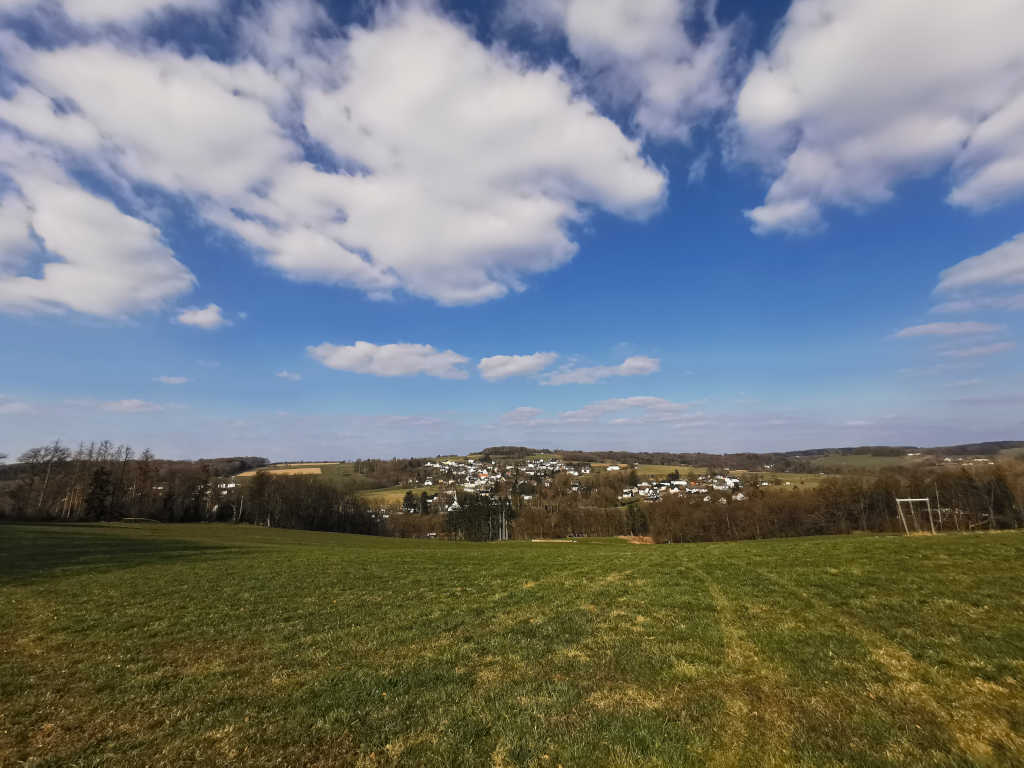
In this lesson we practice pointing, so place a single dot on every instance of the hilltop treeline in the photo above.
(988, 498)
(979, 498)
(103, 481)
(990, 448)
(717, 461)
(513, 451)
(780, 461)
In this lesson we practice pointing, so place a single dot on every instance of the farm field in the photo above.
(332, 471)
(167, 645)
(391, 496)
(857, 461)
(661, 471)
(795, 479)
(284, 471)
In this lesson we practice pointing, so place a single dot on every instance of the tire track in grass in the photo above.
(957, 707)
(755, 726)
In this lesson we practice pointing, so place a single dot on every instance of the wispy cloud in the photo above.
(524, 414)
(1012, 303)
(964, 383)
(1010, 399)
(9, 406)
(698, 168)
(1002, 265)
(288, 375)
(639, 409)
(132, 406)
(172, 379)
(638, 365)
(983, 350)
(947, 329)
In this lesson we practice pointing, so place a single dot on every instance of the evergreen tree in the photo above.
(97, 499)
(409, 502)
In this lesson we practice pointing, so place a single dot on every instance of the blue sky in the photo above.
(328, 231)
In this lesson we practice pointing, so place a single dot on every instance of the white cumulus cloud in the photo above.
(637, 365)
(854, 96)
(670, 61)
(499, 367)
(451, 169)
(391, 359)
(95, 258)
(209, 318)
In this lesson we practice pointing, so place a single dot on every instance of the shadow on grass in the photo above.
(32, 551)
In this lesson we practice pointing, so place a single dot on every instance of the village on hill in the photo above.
(446, 478)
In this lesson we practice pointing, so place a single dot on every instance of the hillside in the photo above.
(209, 644)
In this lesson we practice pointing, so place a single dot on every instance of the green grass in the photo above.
(340, 473)
(660, 471)
(393, 496)
(795, 479)
(865, 461)
(210, 644)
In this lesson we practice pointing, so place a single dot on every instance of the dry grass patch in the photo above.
(294, 471)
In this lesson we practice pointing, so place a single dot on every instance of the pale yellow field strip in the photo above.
(296, 471)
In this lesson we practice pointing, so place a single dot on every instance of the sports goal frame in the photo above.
(913, 514)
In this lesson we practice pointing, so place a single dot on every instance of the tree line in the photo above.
(962, 499)
(102, 481)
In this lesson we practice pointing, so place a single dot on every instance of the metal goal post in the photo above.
(913, 514)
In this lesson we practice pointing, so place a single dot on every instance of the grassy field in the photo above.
(392, 496)
(779, 479)
(661, 471)
(284, 471)
(339, 472)
(855, 461)
(209, 644)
